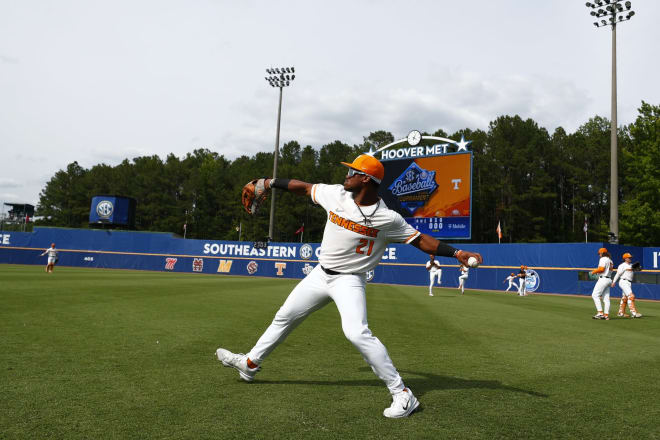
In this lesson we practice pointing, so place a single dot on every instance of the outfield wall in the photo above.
(555, 265)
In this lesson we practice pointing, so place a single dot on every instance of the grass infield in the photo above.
(102, 354)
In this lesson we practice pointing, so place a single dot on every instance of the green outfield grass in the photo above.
(103, 354)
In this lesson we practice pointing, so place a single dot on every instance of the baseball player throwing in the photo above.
(435, 272)
(462, 278)
(602, 287)
(359, 226)
(52, 257)
(511, 281)
(624, 273)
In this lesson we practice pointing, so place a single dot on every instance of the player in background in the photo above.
(522, 275)
(52, 257)
(602, 287)
(511, 281)
(463, 276)
(359, 226)
(435, 272)
(624, 273)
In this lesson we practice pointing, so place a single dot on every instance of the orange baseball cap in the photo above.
(369, 165)
(626, 255)
(602, 250)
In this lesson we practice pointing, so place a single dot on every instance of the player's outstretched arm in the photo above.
(295, 186)
(430, 245)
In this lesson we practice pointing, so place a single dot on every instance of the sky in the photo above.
(103, 81)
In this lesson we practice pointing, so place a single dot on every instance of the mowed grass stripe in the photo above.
(121, 354)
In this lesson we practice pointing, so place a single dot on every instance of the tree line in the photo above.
(539, 186)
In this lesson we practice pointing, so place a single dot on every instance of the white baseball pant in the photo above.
(461, 281)
(312, 293)
(602, 290)
(626, 287)
(512, 284)
(433, 276)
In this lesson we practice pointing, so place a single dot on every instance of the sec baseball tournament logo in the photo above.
(306, 251)
(413, 187)
(532, 281)
(104, 208)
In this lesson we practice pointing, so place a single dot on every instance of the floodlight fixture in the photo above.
(611, 15)
(277, 79)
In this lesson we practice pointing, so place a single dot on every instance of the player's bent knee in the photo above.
(357, 334)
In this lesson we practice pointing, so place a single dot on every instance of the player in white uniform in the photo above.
(52, 257)
(511, 281)
(624, 273)
(462, 278)
(359, 226)
(522, 287)
(435, 272)
(602, 287)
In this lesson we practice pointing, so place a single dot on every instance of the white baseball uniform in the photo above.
(435, 273)
(463, 277)
(512, 283)
(522, 287)
(52, 255)
(624, 274)
(351, 246)
(602, 287)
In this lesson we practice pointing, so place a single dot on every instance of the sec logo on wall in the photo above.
(306, 251)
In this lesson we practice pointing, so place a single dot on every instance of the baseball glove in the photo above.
(254, 194)
(636, 266)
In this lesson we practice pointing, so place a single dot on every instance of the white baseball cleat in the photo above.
(403, 404)
(430, 294)
(636, 315)
(237, 361)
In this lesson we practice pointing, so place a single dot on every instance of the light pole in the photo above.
(278, 77)
(611, 12)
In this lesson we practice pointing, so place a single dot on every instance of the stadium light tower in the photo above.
(278, 77)
(609, 13)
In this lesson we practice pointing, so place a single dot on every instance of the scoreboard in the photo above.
(433, 192)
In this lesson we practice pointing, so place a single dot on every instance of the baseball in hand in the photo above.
(473, 262)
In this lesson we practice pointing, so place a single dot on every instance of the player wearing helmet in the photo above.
(624, 274)
(602, 287)
(358, 228)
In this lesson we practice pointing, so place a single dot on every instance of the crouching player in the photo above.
(624, 273)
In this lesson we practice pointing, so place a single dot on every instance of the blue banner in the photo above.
(553, 268)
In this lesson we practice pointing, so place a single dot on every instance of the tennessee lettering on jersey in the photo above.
(352, 226)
